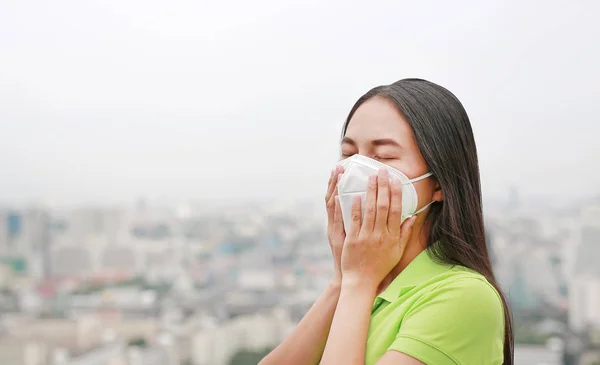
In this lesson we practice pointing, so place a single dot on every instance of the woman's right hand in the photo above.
(335, 232)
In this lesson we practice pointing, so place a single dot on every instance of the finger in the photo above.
(406, 229)
(339, 171)
(368, 220)
(355, 217)
(329, 203)
(338, 221)
(383, 200)
(330, 185)
(333, 196)
(395, 214)
(332, 191)
(333, 180)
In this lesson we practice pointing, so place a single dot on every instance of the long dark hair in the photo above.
(443, 133)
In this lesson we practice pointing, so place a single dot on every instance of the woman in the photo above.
(410, 287)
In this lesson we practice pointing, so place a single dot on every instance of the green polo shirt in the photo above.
(438, 314)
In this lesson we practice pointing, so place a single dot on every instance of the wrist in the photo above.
(366, 287)
(336, 281)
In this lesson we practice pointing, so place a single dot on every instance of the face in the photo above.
(378, 130)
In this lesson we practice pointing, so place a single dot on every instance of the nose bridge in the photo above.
(364, 147)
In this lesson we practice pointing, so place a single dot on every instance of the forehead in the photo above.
(378, 118)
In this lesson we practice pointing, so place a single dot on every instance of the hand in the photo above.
(375, 243)
(335, 232)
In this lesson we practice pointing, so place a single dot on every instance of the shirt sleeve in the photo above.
(459, 323)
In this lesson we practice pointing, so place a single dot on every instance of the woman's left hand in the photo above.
(375, 243)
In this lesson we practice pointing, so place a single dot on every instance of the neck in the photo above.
(417, 243)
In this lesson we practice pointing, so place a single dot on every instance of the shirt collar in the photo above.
(419, 270)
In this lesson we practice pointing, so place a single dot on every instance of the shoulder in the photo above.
(467, 288)
(460, 319)
(463, 299)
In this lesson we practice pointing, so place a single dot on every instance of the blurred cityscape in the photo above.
(199, 284)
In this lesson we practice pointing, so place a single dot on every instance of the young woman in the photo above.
(413, 282)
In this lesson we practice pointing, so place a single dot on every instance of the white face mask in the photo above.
(355, 179)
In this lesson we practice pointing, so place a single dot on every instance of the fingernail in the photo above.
(373, 179)
(383, 172)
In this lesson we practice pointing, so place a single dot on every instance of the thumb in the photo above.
(406, 229)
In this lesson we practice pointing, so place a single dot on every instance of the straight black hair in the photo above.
(444, 135)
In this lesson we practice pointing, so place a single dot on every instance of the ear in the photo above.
(438, 194)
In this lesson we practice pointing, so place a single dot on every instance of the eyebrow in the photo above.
(385, 142)
(376, 142)
(348, 140)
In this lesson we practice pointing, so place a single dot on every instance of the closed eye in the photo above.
(384, 158)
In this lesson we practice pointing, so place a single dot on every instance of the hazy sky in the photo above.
(115, 99)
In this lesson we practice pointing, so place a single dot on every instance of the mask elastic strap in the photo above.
(422, 209)
(420, 178)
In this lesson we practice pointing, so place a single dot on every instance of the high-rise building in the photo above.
(45, 247)
(11, 227)
(13, 224)
(584, 289)
(25, 234)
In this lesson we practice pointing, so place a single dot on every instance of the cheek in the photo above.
(402, 166)
(410, 169)
(424, 191)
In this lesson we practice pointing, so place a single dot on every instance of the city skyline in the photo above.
(101, 282)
